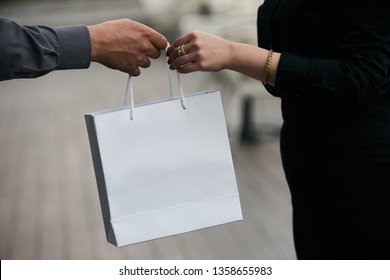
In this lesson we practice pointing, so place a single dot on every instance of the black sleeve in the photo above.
(33, 51)
(360, 67)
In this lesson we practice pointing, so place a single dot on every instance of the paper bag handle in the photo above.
(129, 94)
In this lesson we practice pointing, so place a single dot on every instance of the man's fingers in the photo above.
(154, 52)
(145, 63)
(158, 40)
(134, 72)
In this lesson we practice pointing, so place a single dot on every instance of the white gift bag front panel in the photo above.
(166, 164)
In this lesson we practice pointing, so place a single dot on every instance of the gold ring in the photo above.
(181, 51)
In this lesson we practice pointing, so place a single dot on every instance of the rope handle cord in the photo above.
(129, 93)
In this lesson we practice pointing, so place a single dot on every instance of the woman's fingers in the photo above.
(204, 51)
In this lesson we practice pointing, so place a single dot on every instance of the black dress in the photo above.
(334, 82)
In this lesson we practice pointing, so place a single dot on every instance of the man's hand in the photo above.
(125, 45)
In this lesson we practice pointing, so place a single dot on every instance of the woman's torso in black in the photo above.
(335, 146)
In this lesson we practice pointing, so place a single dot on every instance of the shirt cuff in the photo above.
(75, 47)
(292, 73)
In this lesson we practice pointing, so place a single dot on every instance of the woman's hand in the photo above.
(198, 51)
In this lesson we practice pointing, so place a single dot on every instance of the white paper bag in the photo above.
(166, 172)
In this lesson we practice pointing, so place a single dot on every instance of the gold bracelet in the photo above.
(268, 66)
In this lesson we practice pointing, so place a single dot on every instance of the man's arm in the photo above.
(32, 51)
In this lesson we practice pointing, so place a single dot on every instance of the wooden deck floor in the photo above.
(49, 206)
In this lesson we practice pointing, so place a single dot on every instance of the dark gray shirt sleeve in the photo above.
(33, 51)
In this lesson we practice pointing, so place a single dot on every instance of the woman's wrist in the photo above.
(238, 56)
(252, 61)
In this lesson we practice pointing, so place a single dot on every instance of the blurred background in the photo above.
(49, 205)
